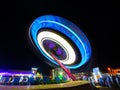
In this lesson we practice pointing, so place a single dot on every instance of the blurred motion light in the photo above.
(68, 29)
(62, 42)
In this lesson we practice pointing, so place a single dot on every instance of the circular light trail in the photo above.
(69, 30)
(46, 35)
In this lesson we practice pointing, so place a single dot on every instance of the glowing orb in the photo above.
(42, 35)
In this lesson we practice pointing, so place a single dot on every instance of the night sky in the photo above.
(98, 23)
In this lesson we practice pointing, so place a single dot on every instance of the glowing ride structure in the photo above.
(63, 67)
(47, 35)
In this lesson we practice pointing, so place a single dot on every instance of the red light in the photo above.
(108, 68)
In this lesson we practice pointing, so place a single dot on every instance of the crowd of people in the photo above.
(110, 81)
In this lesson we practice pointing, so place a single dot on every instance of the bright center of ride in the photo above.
(50, 42)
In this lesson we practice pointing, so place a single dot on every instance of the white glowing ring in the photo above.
(71, 56)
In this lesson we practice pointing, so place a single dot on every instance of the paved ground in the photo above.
(67, 86)
(106, 88)
(72, 85)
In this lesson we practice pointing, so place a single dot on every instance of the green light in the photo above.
(60, 75)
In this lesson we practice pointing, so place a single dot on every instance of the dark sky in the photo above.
(99, 23)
